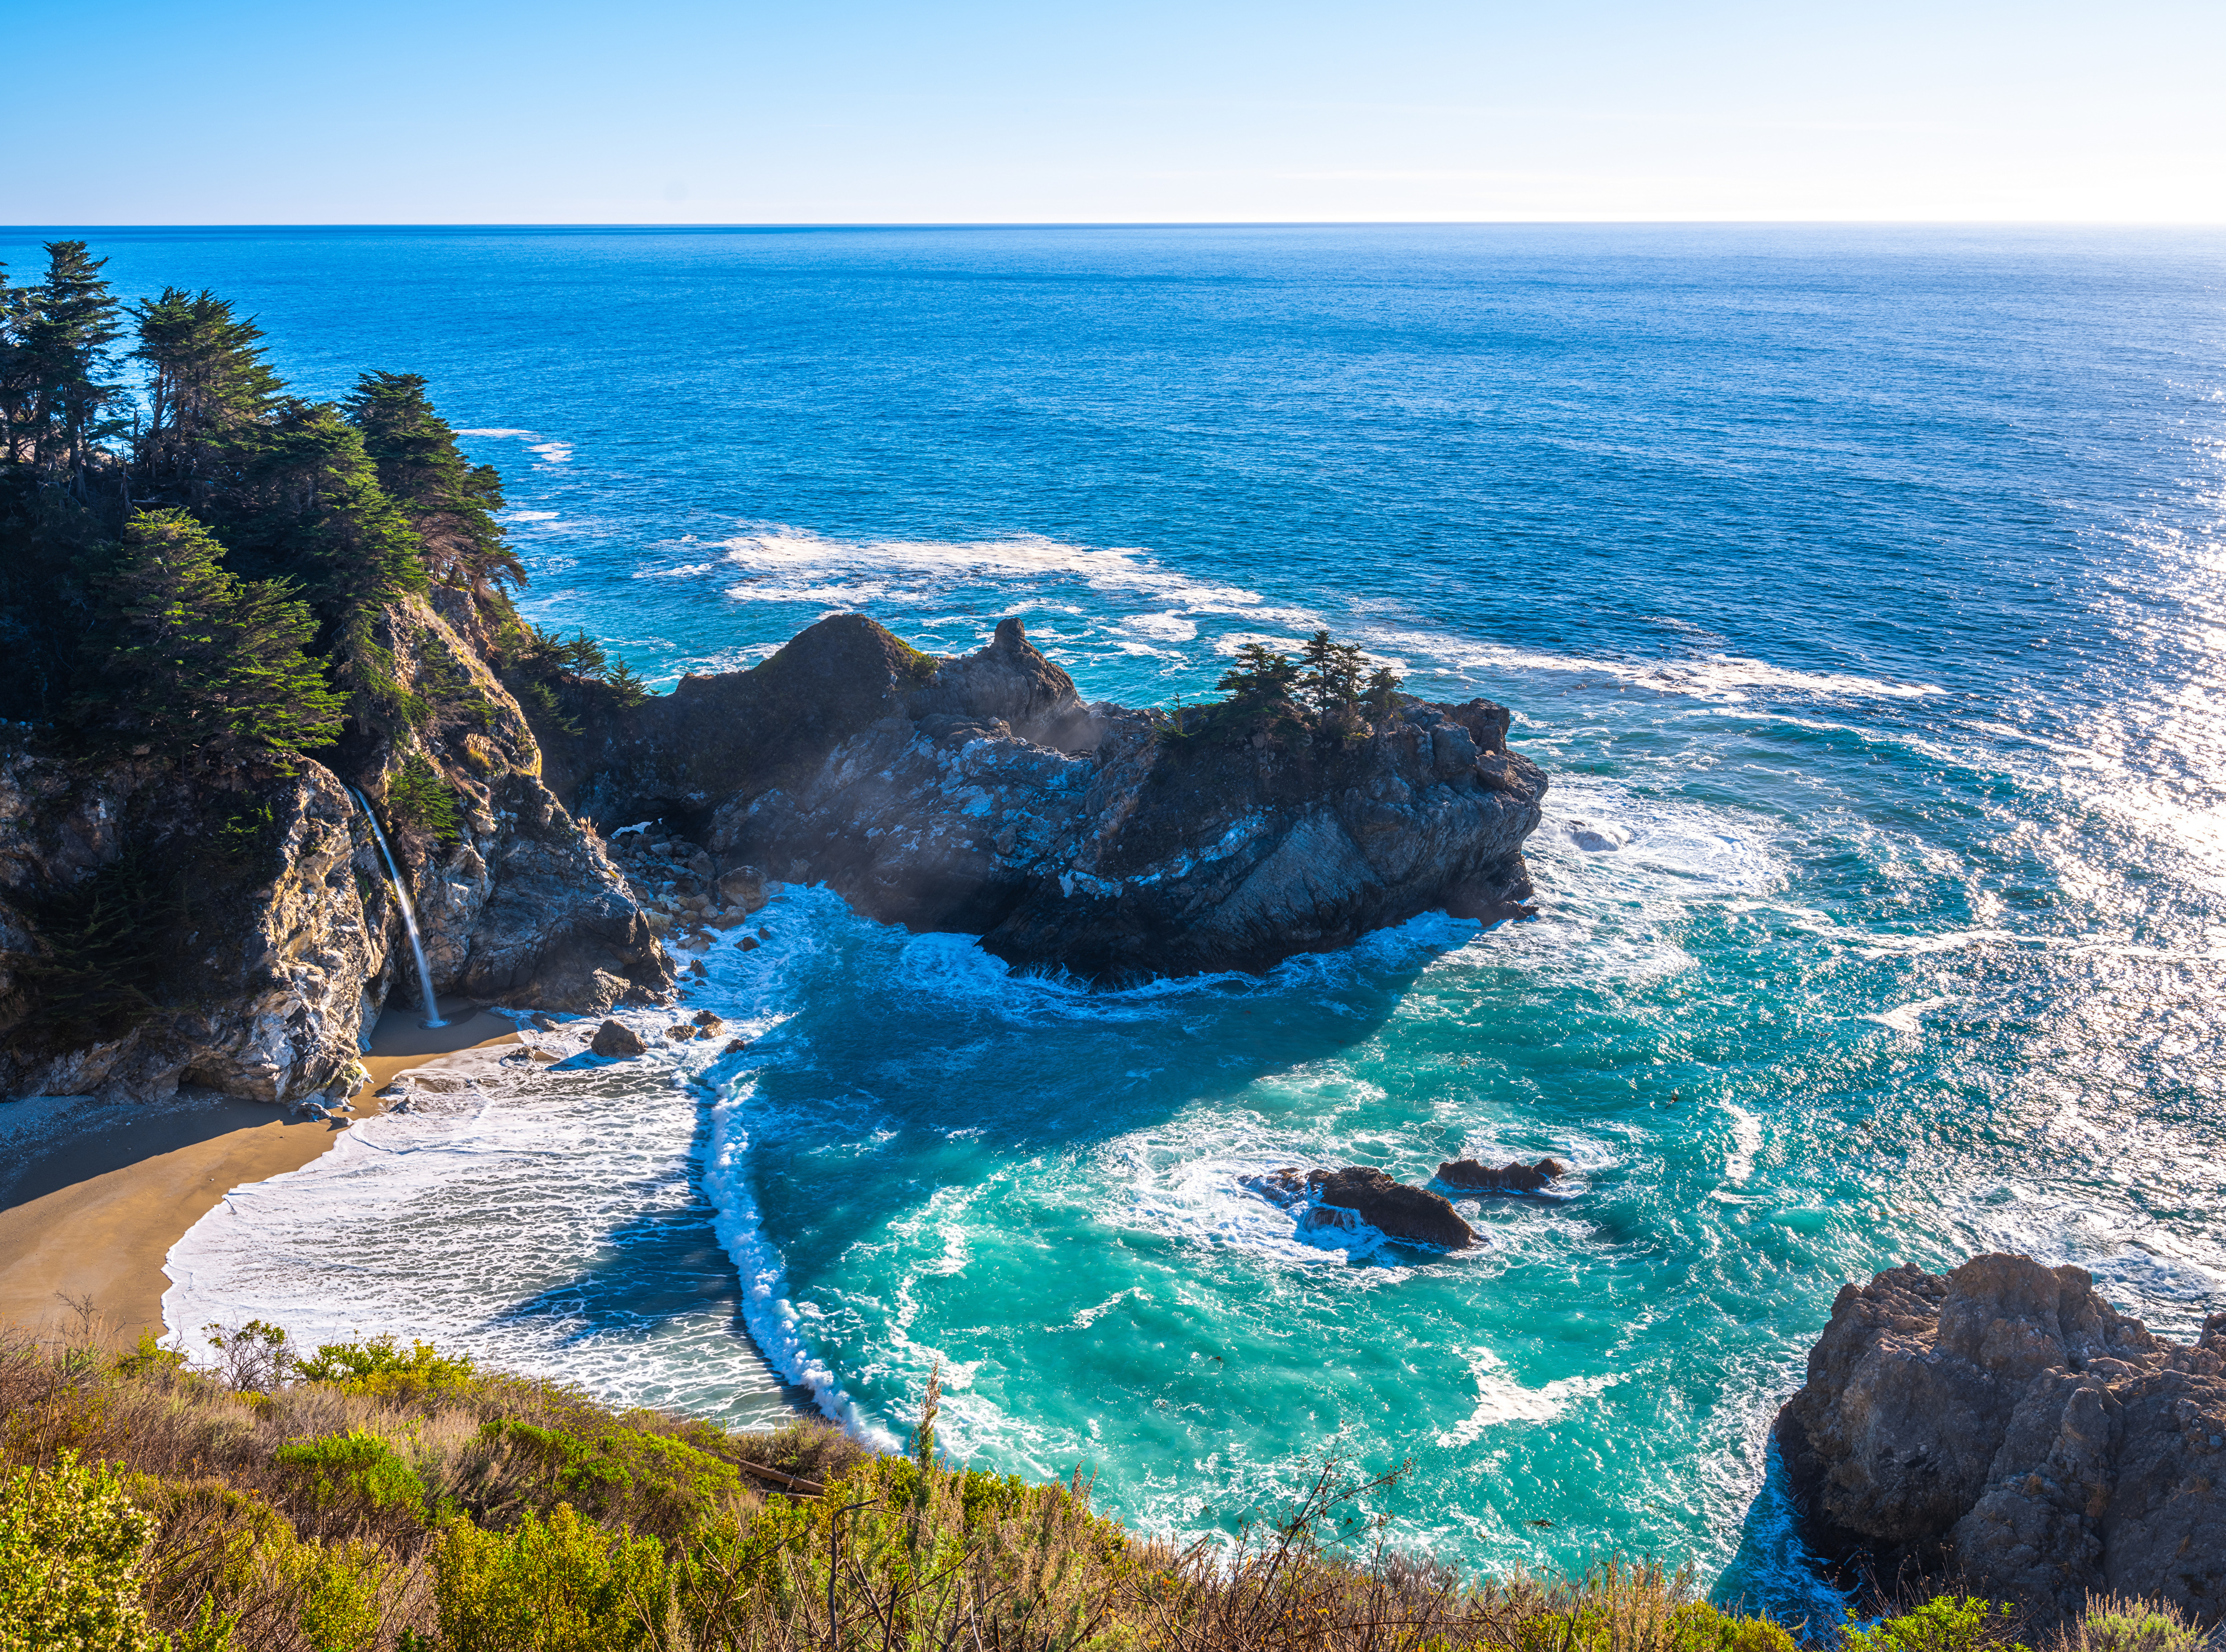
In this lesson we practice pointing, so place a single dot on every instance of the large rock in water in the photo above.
(1392, 1208)
(982, 795)
(2005, 1427)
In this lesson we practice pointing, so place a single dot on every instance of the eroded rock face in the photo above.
(2005, 1425)
(982, 795)
(1392, 1208)
(279, 935)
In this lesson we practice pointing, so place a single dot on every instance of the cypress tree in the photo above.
(1330, 674)
(199, 663)
(450, 502)
(312, 510)
(210, 386)
(67, 324)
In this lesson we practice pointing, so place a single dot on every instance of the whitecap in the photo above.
(1906, 1018)
(1500, 1400)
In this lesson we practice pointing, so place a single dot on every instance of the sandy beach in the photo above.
(92, 1207)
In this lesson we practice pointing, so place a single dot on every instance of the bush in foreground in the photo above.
(373, 1497)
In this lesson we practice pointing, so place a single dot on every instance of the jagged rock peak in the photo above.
(2005, 1427)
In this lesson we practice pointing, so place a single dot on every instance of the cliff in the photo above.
(982, 795)
(235, 928)
(2004, 1426)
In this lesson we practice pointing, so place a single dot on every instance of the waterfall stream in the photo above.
(409, 916)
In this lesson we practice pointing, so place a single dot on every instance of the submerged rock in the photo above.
(2004, 1426)
(617, 1038)
(1391, 1208)
(982, 795)
(1470, 1176)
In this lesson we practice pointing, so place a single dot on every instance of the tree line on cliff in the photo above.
(196, 558)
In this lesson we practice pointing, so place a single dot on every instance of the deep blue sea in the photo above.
(1862, 590)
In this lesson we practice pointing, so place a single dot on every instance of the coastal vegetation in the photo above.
(200, 562)
(378, 1495)
(208, 579)
(1328, 690)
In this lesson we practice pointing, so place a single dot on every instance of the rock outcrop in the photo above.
(2005, 1426)
(614, 1040)
(982, 795)
(1392, 1208)
(1467, 1176)
(236, 929)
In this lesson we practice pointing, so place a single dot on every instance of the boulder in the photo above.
(617, 1038)
(1392, 1208)
(2003, 1427)
(1470, 1176)
(744, 887)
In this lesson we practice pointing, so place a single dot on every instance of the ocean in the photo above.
(1862, 590)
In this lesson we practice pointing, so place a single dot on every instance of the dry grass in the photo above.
(430, 1506)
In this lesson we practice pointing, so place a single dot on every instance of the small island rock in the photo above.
(617, 1038)
(1392, 1208)
(1470, 1176)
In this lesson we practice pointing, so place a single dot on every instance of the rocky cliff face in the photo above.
(2005, 1425)
(982, 795)
(238, 931)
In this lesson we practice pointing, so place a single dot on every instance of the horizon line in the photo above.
(778, 227)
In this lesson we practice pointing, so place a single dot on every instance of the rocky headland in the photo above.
(978, 794)
(2003, 1428)
(237, 929)
(982, 795)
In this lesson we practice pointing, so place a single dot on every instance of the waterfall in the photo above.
(409, 917)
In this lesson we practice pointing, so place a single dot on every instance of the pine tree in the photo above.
(68, 321)
(200, 664)
(450, 503)
(1383, 696)
(1261, 677)
(312, 510)
(1330, 674)
(210, 386)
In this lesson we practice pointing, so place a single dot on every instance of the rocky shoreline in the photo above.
(982, 795)
(977, 794)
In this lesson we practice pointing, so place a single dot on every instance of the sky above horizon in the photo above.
(1216, 110)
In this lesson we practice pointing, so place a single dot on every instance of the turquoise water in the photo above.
(1861, 590)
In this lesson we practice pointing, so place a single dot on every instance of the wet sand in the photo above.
(90, 1216)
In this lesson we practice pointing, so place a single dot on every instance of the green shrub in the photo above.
(358, 1466)
(379, 1369)
(2111, 1624)
(73, 1548)
(1700, 1628)
(560, 1586)
(150, 1358)
(659, 1483)
(335, 1589)
(1945, 1624)
(418, 800)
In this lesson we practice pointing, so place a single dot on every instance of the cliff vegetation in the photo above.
(225, 609)
(376, 1496)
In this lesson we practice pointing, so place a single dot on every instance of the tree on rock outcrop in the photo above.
(450, 502)
(200, 661)
(209, 387)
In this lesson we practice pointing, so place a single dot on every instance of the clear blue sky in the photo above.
(981, 110)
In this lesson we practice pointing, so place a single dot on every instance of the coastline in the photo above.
(90, 1211)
